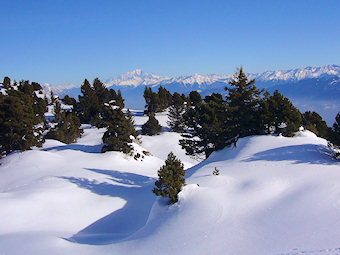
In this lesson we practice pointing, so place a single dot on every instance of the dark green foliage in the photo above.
(102, 93)
(120, 131)
(243, 108)
(156, 102)
(151, 101)
(195, 98)
(21, 117)
(132, 129)
(69, 100)
(214, 123)
(88, 105)
(6, 83)
(117, 97)
(68, 128)
(52, 98)
(170, 179)
(165, 98)
(335, 134)
(205, 126)
(93, 101)
(279, 115)
(57, 111)
(314, 122)
(176, 111)
(152, 126)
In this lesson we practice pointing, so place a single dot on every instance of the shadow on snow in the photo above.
(77, 147)
(135, 189)
(307, 153)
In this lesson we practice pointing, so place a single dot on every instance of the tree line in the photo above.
(23, 124)
(206, 125)
(215, 122)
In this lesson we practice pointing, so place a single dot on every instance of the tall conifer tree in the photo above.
(176, 111)
(243, 105)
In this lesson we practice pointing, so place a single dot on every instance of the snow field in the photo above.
(274, 195)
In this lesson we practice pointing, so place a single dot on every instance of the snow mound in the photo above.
(274, 195)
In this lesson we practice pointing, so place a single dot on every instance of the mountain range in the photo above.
(310, 88)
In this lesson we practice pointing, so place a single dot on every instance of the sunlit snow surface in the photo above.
(274, 195)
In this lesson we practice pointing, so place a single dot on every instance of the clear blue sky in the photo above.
(64, 41)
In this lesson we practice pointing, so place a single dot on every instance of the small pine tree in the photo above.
(67, 129)
(120, 132)
(6, 83)
(170, 179)
(152, 126)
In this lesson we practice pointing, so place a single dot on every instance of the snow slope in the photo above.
(274, 195)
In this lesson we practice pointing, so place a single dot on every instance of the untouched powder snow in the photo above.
(274, 195)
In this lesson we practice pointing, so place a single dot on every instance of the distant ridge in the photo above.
(310, 88)
(139, 77)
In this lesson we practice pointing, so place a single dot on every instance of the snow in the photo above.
(139, 77)
(274, 195)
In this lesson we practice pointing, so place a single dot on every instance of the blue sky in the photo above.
(63, 42)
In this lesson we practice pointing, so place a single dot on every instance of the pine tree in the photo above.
(57, 111)
(152, 101)
(147, 96)
(20, 121)
(165, 98)
(69, 101)
(280, 115)
(131, 120)
(120, 132)
(335, 135)
(68, 128)
(6, 83)
(314, 122)
(205, 126)
(152, 126)
(101, 91)
(176, 111)
(117, 98)
(170, 179)
(52, 98)
(88, 106)
(243, 104)
(195, 98)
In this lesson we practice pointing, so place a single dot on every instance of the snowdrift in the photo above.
(274, 195)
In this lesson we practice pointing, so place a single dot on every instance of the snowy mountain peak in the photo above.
(135, 78)
(139, 77)
(299, 74)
